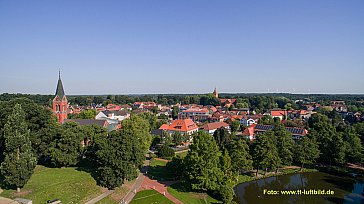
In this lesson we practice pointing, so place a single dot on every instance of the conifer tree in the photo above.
(19, 161)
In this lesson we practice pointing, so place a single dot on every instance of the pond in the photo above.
(328, 189)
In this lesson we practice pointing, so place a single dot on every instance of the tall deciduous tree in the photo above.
(222, 137)
(20, 161)
(65, 150)
(203, 163)
(265, 152)
(235, 125)
(118, 158)
(240, 157)
(306, 150)
(353, 147)
(284, 143)
(139, 128)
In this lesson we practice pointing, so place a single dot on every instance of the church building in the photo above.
(60, 103)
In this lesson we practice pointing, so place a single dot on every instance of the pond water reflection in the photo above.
(346, 189)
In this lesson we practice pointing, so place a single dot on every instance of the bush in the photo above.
(225, 193)
(176, 166)
(166, 152)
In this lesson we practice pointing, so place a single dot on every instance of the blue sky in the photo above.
(125, 47)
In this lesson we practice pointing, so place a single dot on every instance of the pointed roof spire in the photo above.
(59, 90)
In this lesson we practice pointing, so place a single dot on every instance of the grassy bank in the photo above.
(246, 178)
(149, 197)
(67, 184)
(186, 196)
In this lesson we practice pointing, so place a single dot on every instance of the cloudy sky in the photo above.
(125, 47)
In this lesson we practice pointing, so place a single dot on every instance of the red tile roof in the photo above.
(214, 126)
(183, 125)
(278, 112)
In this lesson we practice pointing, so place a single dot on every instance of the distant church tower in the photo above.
(60, 104)
(215, 93)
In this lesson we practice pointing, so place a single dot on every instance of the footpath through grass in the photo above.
(149, 197)
(67, 184)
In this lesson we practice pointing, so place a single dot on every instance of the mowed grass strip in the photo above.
(150, 197)
(178, 191)
(67, 184)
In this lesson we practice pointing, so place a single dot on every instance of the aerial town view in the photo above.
(194, 102)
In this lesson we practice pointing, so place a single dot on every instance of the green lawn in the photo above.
(190, 197)
(157, 170)
(182, 154)
(67, 184)
(107, 200)
(149, 197)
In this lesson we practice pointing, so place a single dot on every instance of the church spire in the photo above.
(60, 90)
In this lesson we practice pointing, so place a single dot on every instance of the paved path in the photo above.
(160, 187)
(100, 197)
(7, 201)
(130, 195)
(144, 182)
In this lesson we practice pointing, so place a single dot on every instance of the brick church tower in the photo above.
(60, 104)
(215, 93)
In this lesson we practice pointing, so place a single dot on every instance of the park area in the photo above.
(69, 184)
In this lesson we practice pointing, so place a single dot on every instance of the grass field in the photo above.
(158, 171)
(182, 154)
(67, 184)
(107, 200)
(190, 197)
(149, 197)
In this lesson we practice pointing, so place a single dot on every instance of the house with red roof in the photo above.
(281, 114)
(113, 107)
(252, 131)
(212, 127)
(183, 126)
(195, 114)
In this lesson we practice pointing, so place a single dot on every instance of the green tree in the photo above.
(331, 143)
(20, 161)
(119, 156)
(242, 105)
(36, 116)
(222, 137)
(165, 152)
(240, 157)
(202, 163)
(265, 153)
(235, 125)
(306, 150)
(284, 144)
(353, 146)
(225, 193)
(178, 138)
(266, 120)
(65, 150)
(175, 111)
(87, 114)
(139, 127)
(359, 128)
(176, 166)
(226, 167)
